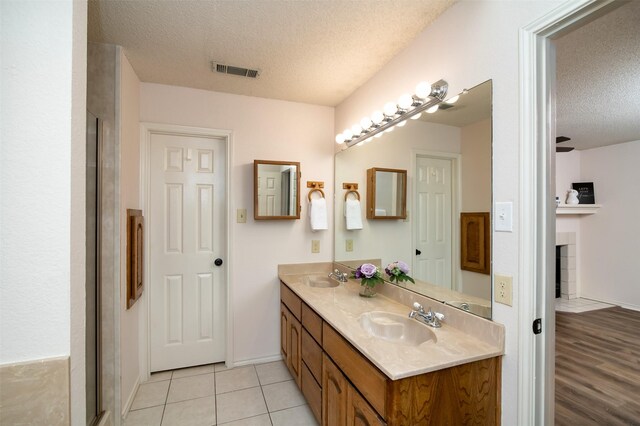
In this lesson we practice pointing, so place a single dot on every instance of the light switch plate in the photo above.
(504, 216)
(315, 246)
(503, 289)
(241, 215)
(348, 245)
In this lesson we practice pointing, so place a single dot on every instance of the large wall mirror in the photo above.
(447, 156)
(276, 190)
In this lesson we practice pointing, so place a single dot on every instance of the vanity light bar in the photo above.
(395, 113)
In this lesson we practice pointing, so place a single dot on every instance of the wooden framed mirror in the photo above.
(276, 190)
(386, 193)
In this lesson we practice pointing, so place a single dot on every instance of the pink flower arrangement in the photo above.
(398, 271)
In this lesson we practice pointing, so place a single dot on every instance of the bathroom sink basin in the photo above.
(396, 328)
(474, 308)
(320, 281)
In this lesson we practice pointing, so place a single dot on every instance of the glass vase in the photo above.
(366, 291)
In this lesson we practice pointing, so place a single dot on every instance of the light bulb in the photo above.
(415, 117)
(402, 123)
(453, 100)
(356, 129)
(433, 109)
(405, 101)
(366, 123)
(423, 90)
(390, 109)
(347, 134)
(339, 138)
(377, 117)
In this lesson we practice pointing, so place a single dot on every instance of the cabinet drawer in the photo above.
(364, 375)
(312, 355)
(292, 301)
(312, 322)
(312, 392)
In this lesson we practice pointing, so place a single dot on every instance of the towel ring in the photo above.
(346, 194)
(315, 190)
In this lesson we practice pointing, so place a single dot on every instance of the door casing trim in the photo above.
(536, 366)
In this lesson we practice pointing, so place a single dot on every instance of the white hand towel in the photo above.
(353, 214)
(318, 214)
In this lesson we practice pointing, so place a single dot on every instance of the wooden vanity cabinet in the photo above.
(291, 342)
(343, 387)
(334, 395)
(359, 412)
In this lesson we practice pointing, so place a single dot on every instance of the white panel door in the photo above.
(433, 218)
(269, 193)
(186, 223)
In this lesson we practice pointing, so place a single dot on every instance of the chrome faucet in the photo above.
(340, 276)
(430, 318)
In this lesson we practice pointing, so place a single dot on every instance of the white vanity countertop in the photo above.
(463, 337)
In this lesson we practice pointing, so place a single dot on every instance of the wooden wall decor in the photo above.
(475, 242)
(135, 256)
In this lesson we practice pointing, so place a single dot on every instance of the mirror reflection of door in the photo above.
(276, 190)
(269, 192)
(434, 211)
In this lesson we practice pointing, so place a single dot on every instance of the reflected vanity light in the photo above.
(427, 97)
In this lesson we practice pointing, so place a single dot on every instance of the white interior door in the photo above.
(269, 190)
(186, 223)
(433, 218)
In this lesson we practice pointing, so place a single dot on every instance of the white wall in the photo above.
(475, 147)
(263, 129)
(36, 180)
(129, 199)
(471, 43)
(42, 185)
(610, 240)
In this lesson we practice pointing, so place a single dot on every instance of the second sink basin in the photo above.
(396, 328)
(320, 281)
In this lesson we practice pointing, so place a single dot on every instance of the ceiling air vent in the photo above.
(233, 70)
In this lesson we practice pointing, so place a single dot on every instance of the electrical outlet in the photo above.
(241, 215)
(503, 289)
(349, 245)
(315, 246)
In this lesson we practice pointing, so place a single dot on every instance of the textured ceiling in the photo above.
(598, 87)
(316, 52)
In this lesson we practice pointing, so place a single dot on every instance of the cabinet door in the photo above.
(295, 349)
(334, 394)
(359, 412)
(284, 332)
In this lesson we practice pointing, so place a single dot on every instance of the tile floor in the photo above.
(254, 395)
(579, 305)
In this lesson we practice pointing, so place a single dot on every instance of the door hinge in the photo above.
(537, 326)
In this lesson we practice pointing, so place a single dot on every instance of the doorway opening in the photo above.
(537, 186)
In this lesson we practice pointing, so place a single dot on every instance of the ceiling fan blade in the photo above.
(562, 139)
(564, 148)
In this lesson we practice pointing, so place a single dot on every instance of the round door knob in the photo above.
(217, 262)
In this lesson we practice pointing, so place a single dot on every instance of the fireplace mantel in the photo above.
(577, 209)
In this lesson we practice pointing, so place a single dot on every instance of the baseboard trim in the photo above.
(127, 405)
(261, 360)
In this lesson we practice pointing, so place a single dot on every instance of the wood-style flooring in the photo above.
(598, 367)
